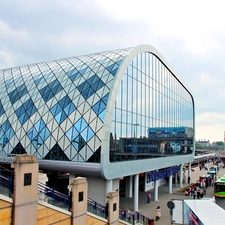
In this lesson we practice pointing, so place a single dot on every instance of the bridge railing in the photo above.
(6, 185)
(53, 197)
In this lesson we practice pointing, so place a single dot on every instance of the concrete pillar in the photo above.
(176, 179)
(136, 191)
(189, 170)
(181, 175)
(79, 188)
(170, 183)
(108, 186)
(129, 187)
(156, 193)
(25, 189)
(71, 177)
(112, 199)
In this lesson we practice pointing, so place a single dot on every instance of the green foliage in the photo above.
(220, 143)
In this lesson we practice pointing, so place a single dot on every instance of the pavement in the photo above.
(149, 210)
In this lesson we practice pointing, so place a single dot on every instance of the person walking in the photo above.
(198, 194)
(194, 193)
(158, 213)
(148, 198)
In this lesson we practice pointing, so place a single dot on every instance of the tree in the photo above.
(220, 143)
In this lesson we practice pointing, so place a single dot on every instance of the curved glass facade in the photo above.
(55, 110)
(62, 109)
(153, 113)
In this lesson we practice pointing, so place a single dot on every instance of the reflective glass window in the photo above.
(151, 118)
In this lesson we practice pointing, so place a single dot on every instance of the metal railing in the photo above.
(96, 208)
(134, 218)
(53, 197)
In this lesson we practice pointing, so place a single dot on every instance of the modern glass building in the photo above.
(121, 112)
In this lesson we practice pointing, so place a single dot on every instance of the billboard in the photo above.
(174, 132)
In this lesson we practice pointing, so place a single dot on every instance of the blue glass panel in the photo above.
(38, 81)
(90, 134)
(95, 86)
(1, 132)
(16, 94)
(114, 72)
(90, 92)
(82, 72)
(64, 101)
(9, 133)
(109, 68)
(21, 118)
(72, 72)
(38, 133)
(25, 111)
(6, 125)
(75, 142)
(83, 124)
(75, 76)
(2, 111)
(116, 66)
(100, 84)
(67, 109)
(70, 133)
(50, 90)
(39, 125)
(81, 86)
(119, 62)
(96, 107)
(90, 80)
(105, 98)
(85, 94)
(102, 116)
(72, 109)
(63, 117)
(75, 134)
(56, 109)
(58, 116)
(44, 134)
(87, 134)
(102, 107)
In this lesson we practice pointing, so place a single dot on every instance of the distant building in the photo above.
(204, 143)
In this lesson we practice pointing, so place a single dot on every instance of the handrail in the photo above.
(63, 201)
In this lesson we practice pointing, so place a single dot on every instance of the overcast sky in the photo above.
(189, 34)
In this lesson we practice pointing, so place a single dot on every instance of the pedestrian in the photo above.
(198, 194)
(158, 213)
(212, 182)
(189, 179)
(189, 191)
(148, 198)
(204, 191)
(194, 194)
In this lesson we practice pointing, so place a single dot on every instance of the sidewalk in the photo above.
(149, 209)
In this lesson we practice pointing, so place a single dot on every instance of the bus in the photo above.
(219, 187)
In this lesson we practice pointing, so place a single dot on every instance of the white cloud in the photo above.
(189, 34)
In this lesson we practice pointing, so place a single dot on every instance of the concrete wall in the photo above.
(98, 193)
(5, 210)
(48, 214)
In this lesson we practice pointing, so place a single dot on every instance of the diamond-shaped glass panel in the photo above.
(38, 133)
(25, 111)
(90, 86)
(50, 90)
(2, 111)
(18, 93)
(63, 109)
